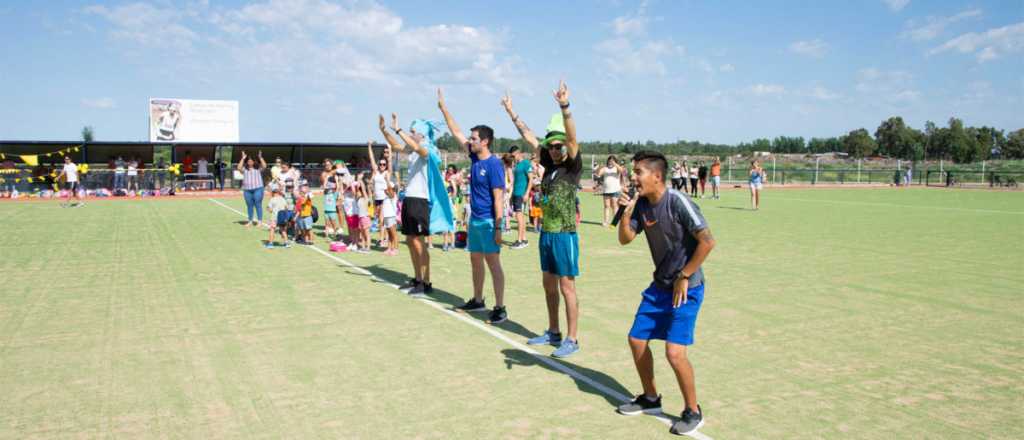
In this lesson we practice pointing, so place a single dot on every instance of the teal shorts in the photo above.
(331, 215)
(481, 236)
(560, 253)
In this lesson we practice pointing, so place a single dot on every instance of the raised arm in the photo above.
(369, 152)
(388, 137)
(452, 126)
(263, 163)
(562, 96)
(524, 131)
(241, 162)
(415, 146)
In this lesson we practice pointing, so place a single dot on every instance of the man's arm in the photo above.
(705, 243)
(626, 232)
(562, 96)
(453, 128)
(524, 131)
(409, 141)
(498, 194)
(388, 137)
(369, 152)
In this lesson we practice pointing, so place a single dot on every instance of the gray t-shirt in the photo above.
(670, 226)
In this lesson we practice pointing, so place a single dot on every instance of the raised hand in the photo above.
(562, 94)
(506, 101)
(440, 98)
(394, 122)
(380, 121)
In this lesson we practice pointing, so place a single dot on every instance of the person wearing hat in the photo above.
(487, 200)
(426, 208)
(559, 244)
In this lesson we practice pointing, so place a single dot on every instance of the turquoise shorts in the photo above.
(560, 253)
(331, 215)
(481, 236)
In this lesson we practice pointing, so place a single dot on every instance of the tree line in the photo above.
(893, 138)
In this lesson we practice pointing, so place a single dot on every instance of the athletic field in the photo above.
(865, 313)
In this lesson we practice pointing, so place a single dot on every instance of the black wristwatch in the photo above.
(684, 276)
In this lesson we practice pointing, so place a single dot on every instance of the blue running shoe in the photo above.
(547, 338)
(568, 348)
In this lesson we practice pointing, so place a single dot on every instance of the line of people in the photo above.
(677, 233)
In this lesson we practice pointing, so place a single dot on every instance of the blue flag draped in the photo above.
(441, 217)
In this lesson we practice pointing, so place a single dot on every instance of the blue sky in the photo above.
(321, 70)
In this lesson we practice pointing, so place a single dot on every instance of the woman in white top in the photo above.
(677, 176)
(381, 178)
(133, 176)
(611, 183)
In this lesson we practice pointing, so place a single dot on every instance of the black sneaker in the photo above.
(498, 315)
(413, 282)
(688, 422)
(421, 289)
(640, 405)
(519, 245)
(473, 305)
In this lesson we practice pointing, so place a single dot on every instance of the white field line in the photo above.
(495, 333)
(893, 205)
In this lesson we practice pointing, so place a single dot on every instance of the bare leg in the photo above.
(476, 260)
(497, 277)
(644, 365)
(521, 225)
(551, 296)
(676, 355)
(572, 305)
(415, 247)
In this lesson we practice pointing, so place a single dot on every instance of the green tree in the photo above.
(1014, 146)
(895, 139)
(963, 143)
(859, 143)
(87, 134)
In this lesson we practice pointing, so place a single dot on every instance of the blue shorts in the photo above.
(283, 217)
(560, 253)
(305, 223)
(656, 319)
(481, 236)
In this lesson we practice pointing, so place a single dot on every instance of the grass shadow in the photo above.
(520, 358)
(449, 299)
(734, 208)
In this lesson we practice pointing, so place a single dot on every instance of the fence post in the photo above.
(816, 162)
(773, 168)
(982, 171)
(730, 168)
(858, 170)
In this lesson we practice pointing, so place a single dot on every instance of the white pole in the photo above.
(858, 170)
(730, 168)
(773, 169)
(982, 171)
(816, 162)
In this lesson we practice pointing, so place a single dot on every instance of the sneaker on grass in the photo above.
(640, 405)
(568, 348)
(473, 305)
(547, 338)
(688, 422)
(409, 285)
(498, 315)
(421, 290)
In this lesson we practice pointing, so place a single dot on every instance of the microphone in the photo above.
(622, 209)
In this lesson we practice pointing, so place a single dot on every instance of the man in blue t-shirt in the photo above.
(679, 241)
(487, 196)
(520, 183)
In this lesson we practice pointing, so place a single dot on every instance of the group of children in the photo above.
(346, 204)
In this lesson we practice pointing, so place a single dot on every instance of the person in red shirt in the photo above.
(187, 162)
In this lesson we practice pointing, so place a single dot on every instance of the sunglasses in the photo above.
(559, 146)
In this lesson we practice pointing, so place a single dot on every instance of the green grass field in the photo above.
(865, 313)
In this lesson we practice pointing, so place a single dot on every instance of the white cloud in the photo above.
(766, 89)
(629, 51)
(148, 25)
(99, 103)
(824, 94)
(726, 68)
(934, 26)
(987, 45)
(896, 5)
(815, 48)
(326, 41)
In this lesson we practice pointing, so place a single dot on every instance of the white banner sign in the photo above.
(191, 120)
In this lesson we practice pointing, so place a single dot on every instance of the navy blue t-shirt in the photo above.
(486, 175)
(670, 226)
